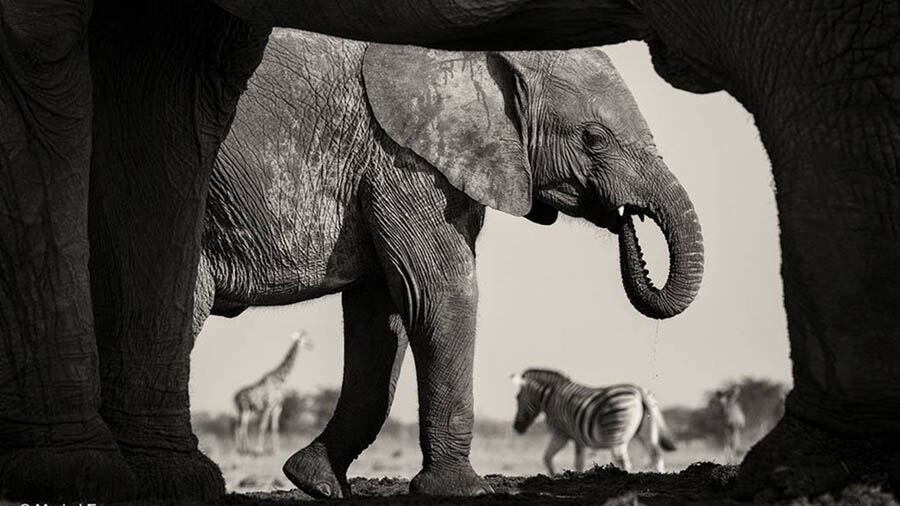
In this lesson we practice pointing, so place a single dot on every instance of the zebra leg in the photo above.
(374, 346)
(648, 434)
(557, 443)
(620, 457)
(655, 453)
(579, 457)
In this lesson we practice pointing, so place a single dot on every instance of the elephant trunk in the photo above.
(674, 213)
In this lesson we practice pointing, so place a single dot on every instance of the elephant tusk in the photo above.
(621, 211)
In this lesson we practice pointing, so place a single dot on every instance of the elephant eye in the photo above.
(596, 138)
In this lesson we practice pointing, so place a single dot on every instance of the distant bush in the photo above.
(400, 430)
(308, 413)
(761, 400)
(685, 423)
(221, 425)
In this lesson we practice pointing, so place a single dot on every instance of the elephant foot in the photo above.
(312, 471)
(66, 474)
(799, 459)
(449, 481)
(894, 475)
(176, 475)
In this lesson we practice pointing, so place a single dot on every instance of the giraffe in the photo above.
(264, 399)
(734, 419)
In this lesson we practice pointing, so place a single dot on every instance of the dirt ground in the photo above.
(511, 465)
(703, 484)
(399, 457)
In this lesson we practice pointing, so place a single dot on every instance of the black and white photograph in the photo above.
(611, 252)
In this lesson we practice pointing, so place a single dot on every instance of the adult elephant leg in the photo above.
(53, 444)
(167, 76)
(424, 231)
(841, 251)
(374, 346)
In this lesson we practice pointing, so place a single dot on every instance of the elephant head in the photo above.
(536, 133)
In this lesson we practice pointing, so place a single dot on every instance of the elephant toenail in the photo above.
(483, 490)
(324, 489)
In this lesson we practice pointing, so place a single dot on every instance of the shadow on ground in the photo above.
(700, 484)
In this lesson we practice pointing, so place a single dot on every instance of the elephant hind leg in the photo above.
(374, 346)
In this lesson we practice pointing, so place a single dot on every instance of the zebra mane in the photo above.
(546, 377)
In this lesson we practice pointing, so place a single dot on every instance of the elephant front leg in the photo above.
(841, 251)
(166, 81)
(374, 347)
(53, 444)
(443, 349)
(425, 238)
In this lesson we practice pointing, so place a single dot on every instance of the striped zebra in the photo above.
(596, 418)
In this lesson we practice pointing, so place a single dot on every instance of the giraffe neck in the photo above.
(280, 373)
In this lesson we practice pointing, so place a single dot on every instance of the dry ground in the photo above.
(511, 464)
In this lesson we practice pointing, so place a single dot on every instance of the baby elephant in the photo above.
(365, 170)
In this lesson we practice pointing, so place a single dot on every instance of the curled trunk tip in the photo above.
(681, 229)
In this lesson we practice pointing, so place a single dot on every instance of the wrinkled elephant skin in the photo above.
(377, 189)
(820, 78)
(821, 81)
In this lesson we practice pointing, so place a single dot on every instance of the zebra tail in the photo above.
(666, 441)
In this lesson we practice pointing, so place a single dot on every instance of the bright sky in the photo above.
(552, 296)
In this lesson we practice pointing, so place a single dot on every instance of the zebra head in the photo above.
(534, 386)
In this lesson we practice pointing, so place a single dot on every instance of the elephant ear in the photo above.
(460, 111)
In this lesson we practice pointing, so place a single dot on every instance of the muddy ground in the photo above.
(699, 484)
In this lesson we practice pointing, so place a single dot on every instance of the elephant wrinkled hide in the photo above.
(377, 188)
(820, 80)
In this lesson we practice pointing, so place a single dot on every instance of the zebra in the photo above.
(596, 418)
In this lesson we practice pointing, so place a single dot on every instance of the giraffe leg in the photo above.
(557, 442)
(374, 346)
(264, 424)
(275, 430)
(244, 432)
(738, 451)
